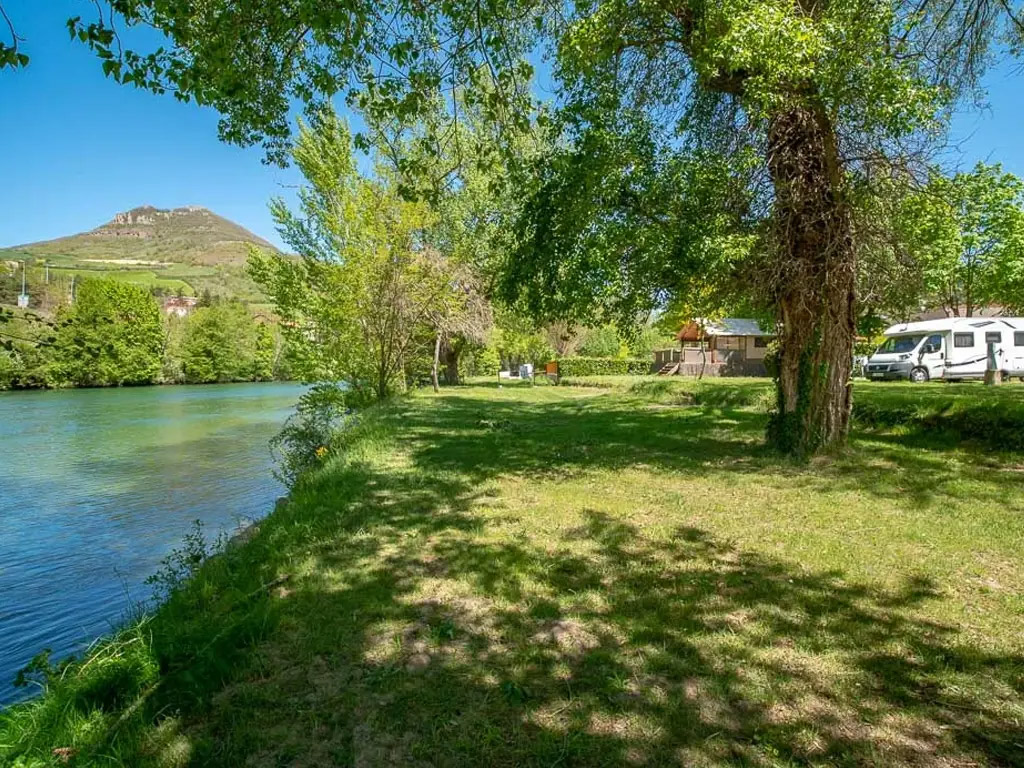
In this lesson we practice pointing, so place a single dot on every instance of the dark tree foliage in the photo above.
(618, 224)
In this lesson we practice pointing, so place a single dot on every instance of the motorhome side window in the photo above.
(963, 339)
(1018, 338)
(935, 342)
(994, 337)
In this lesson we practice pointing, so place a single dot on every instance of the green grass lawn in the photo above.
(559, 576)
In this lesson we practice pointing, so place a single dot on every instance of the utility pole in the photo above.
(23, 296)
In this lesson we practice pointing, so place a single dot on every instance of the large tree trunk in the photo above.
(433, 368)
(813, 282)
(451, 364)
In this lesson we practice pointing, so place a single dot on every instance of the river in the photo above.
(97, 486)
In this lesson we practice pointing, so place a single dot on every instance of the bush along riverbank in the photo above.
(513, 575)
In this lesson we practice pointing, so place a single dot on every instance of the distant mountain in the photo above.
(190, 249)
(189, 235)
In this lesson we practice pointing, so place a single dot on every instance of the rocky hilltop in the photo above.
(190, 248)
(139, 222)
(147, 214)
(190, 235)
(197, 233)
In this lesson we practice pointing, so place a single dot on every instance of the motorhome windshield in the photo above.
(895, 345)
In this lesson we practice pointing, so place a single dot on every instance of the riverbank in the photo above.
(540, 575)
(115, 334)
(41, 387)
(97, 485)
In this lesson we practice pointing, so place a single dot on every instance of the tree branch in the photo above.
(15, 39)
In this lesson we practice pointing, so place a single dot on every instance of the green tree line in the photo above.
(691, 151)
(114, 334)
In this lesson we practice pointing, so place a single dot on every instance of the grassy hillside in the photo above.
(189, 249)
(551, 576)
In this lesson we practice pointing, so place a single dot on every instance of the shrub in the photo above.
(601, 342)
(305, 440)
(9, 369)
(488, 362)
(182, 563)
(602, 366)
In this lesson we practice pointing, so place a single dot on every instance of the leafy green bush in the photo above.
(9, 369)
(602, 366)
(488, 362)
(112, 335)
(183, 561)
(601, 342)
(224, 343)
(305, 440)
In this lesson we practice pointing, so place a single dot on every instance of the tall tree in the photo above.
(819, 94)
(966, 232)
(220, 343)
(471, 198)
(264, 353)
(111, 335)
(361, 299)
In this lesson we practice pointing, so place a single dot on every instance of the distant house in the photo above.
(732, 346)
(179, 305)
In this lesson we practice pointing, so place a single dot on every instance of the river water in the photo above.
(97, 486)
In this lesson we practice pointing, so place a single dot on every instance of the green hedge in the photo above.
(991, 417)
(602, 366)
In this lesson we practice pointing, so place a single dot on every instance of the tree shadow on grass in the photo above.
(919, 469)
(481, 439)
(414, 630)
(437, 643)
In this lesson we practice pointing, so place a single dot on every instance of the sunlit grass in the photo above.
(522, 575)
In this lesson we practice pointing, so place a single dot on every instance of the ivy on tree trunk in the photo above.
(816, 269)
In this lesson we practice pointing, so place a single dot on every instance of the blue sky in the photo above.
(77, 148)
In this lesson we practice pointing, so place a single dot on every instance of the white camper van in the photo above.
(949, 348)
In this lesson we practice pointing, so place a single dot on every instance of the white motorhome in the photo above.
(949, 348)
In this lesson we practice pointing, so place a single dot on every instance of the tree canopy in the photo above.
(966, 233)
(769, 123)
(110, 335)
(223, 343)
(365, 296)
